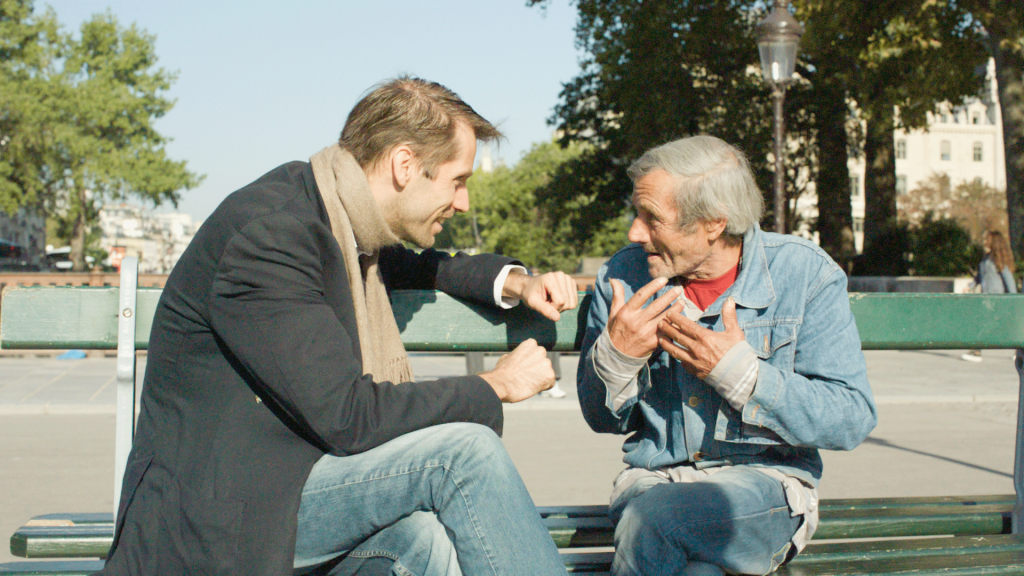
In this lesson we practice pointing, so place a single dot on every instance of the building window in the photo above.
(855, 186)
(977, 152)
(947, 150)
(976, 118)
(858, 225)
(945, 117)
(978, 181)
(901, 149)
(901, 185)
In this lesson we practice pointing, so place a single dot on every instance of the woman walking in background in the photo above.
(995, 274)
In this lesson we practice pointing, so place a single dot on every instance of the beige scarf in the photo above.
(357, 222)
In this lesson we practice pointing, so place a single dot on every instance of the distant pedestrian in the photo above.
(995, 274)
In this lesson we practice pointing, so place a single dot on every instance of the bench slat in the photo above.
(62, 542)
(589, 526)
(57, 317)
(823, 558)
(830, 504)
(65, 568)
(909, 501)
(818, 551)
(994, 563)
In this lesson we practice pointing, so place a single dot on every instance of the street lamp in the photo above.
(777, 38)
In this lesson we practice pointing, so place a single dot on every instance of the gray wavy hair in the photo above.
(714, 182)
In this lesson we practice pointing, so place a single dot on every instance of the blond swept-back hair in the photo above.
(408, 110)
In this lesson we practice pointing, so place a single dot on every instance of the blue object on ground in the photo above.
(72, 355)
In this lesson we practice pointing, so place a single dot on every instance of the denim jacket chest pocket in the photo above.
(776, 345)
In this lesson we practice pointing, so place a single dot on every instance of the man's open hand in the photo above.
(696, 347)
(548, 293)
(634, 329)
(521, 373)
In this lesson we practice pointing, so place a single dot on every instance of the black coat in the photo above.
(254, 372)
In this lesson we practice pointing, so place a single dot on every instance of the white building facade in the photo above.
(964, 142)
(157, 240)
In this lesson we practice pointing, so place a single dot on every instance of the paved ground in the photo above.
(945, 427)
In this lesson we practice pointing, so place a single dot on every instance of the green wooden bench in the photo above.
(954, 535)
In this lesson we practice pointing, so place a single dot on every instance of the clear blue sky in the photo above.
(262, 83)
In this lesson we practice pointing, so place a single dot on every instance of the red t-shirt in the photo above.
(703, 293)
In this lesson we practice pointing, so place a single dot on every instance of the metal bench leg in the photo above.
(474, 362)
(124, 433)
(1018, 458)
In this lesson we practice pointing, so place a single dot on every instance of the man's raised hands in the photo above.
(696, 347)
(633, 328)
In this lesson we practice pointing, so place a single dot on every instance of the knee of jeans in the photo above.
(476, 443)
(641, 545)
(636, 523)
(427, 533)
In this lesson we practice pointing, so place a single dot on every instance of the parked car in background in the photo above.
(14, 258)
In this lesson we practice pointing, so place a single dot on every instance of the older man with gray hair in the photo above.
(730, 356)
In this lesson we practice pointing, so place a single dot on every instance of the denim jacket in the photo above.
(812, 390)
(994, 281)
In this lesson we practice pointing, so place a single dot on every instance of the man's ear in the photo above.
(715, 228)
(404, 165)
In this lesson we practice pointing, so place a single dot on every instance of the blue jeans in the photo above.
(444, 500)
(737, 519)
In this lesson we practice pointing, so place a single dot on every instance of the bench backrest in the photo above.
(47, 317)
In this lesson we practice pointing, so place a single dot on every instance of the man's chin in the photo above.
(427, 242)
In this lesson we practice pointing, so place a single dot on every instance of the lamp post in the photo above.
(777, 38)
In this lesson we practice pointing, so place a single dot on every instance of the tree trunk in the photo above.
(1010, 77)
(880, 175)
(835, 213)
(78, 230)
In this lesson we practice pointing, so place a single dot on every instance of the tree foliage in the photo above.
(656, 71)
(1000, 26)
(507, 215)
(82, 131)
(29, 45)
(976, 206)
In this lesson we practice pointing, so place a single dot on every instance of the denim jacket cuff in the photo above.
(759, 410)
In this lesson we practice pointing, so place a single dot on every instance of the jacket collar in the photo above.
(753, 287)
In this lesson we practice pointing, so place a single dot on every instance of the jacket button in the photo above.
(694, 401)
(698, 456)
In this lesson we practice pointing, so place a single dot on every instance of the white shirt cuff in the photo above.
(735, 375)
(499, 284)
(619, 372)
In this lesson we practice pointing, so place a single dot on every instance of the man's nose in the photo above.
(638, 232)
(461, 201)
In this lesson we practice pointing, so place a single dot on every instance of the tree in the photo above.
(507, 217)
(1000, 24)
(76, 120)
(883, 56)
(108, 147)
(654, 72)
(29, 44)
(942, 247)
(976, 207)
